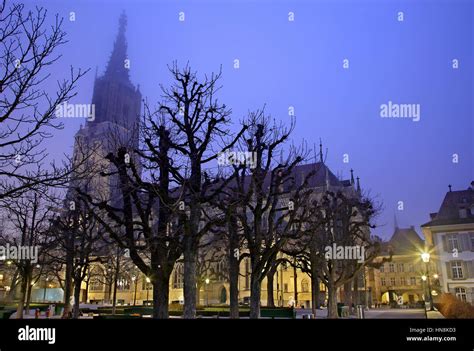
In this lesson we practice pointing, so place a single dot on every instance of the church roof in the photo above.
(405, 241)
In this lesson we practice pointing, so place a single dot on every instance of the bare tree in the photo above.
(341, 222)
(29, 216)
(27, 112)
(198, 125)
(272, 204)
(78, 243)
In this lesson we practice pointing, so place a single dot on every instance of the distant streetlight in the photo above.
(207, 291)
(135, 281)
(425, 256)
(147, 289)
(424, 277)
(435, 276)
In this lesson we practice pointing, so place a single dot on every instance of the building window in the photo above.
(96, 284)
(391, 267)
(304, 286)
(383, 282)
(403, 281)
(221, 270)
(456, 269)
(392, 281)
(285, 287)
(401, 268)
(412, 280)
(178, 276)
(382, 268)
(452, 240)
(461, 294)
(411, 267)
(123, 284)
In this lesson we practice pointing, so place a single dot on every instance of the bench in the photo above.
(278, 313)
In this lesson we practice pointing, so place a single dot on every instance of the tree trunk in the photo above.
(77, 297)
(295, 284)
(233, 269)
(255, 293)
(314, 292)
(68, 278)
(29, 288)
(348, 295)
(21, 302)
(116, 277)
(190, 269)
(161, 296)
(86, 295)
(270, 281)
(354, 285)
(332, 300)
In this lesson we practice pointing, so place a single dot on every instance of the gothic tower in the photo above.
(117, 104)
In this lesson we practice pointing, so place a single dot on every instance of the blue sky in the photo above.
(300, 64)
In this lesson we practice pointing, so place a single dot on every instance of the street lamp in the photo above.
(134, 279)
(207, 291)
(425, 256)
(45, 284)
(147, 288)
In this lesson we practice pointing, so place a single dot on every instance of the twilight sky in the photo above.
(300, 63)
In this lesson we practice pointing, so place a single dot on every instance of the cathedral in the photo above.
(117, 107)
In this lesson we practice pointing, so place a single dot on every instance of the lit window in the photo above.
(392, 282)
(304, 286)
(391, 267)
(178, 275)
(382, 268)
(412, 280)
(403, 281)
(383, 282)
(401, 268)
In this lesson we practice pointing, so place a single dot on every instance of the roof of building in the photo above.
(450, 210)
(404, 241)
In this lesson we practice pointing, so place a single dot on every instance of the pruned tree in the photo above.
(77, 244)
(272, 202)
(341, 240)
(199, 129)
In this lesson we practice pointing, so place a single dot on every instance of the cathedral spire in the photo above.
(321, 151)
(118, 65)
(358, 186)
(352, 176)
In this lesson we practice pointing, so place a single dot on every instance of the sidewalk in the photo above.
(434, 315)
